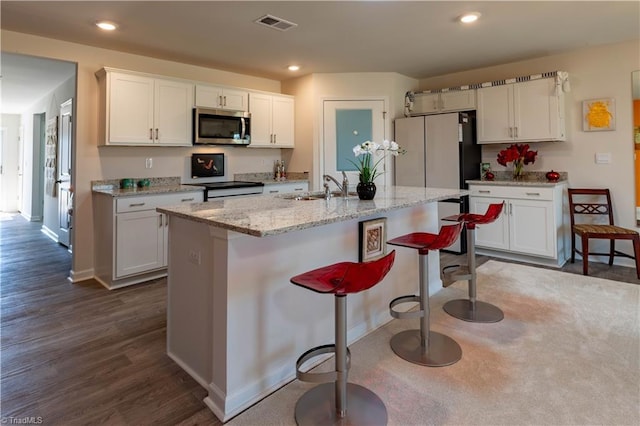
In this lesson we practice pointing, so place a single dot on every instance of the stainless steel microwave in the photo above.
(220, 127)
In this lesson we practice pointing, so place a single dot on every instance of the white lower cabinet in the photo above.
(132, 237)
(285, 188)
(531, 226)
(141, 239)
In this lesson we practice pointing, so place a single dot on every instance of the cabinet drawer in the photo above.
(150, 202)
(283, 188)
(520, 192)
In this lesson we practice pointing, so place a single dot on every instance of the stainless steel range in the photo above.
(210, 166)
(232, 188)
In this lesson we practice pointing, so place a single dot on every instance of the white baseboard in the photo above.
(31, 218)
(49, 233)
(77, 276)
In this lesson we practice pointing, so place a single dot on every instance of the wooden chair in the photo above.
(590, 202)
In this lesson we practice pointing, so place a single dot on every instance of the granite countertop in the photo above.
(529, 179)
(267, 178)
(156, 186)
(262, 216)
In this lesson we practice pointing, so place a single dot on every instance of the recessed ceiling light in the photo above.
(106, 25)
(470, 17)
(294, 67)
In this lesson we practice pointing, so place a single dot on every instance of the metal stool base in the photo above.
(482, 312)
(442, 350)
(318, 407)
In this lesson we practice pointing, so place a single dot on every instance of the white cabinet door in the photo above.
(234, 99)
(139, 242)
(455, 100)
(283, 122)
(285, 188)
(130, 109)
(222, 97)
(494, 116)
(493, 235)
(458, 100)
(260, 108)
(141, 110)
(172, 113)
(528, 111)
(537, 113)
(272, 121)
(427, 103)
(531, 227)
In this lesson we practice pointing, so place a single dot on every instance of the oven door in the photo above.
(218, 127)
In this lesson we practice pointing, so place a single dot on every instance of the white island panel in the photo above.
(237, 324)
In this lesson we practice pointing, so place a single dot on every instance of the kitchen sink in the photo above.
(316, 196)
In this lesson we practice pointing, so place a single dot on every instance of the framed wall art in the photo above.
(599, 115)
(373, 239)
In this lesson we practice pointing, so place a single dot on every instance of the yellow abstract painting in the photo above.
(598, 115)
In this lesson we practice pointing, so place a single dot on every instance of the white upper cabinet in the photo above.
(222, 98)
(138, 109)
(272, 120)
(454, 100)
(529, 111)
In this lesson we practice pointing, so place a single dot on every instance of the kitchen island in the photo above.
(234, 321)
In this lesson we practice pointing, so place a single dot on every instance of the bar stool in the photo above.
(423, 346)
(471, 310)
(327, 403)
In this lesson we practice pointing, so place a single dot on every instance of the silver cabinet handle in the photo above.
(298, 189)
(166, 220)
(273, 191)
(537, 194)
(510, 209)
(151, 134)
(275, 138)
(220, 100)
(136, 204)
(225, 101)
(484, 192)
(184, 200)
(157, 134)
(159, 221)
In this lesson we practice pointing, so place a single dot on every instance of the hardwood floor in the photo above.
(80, 354)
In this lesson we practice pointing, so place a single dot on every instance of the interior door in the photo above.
(65, 194)
(347, 123)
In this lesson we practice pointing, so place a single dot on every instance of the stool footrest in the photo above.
(453, 273)
(329, 376)
(405, 315)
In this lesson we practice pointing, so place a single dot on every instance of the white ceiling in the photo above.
(416, 38)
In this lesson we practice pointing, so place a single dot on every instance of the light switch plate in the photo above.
(603, 158)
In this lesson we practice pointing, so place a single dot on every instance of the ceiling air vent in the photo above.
(275, 23)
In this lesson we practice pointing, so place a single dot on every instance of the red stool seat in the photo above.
(327, 403)
(471, 309)
(346, 277)
(423, 346)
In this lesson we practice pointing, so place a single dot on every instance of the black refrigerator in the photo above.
(441, 153)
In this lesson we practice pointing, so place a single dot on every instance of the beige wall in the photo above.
(594, 72)
(93, 163)
(310, 91)
(597, 72)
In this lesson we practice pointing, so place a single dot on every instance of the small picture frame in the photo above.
(484, 168)
(373, 239)
(599, 115)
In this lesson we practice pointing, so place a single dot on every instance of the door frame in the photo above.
(319, 148)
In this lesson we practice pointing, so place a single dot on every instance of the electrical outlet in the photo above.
(194, 257)
(148, 163)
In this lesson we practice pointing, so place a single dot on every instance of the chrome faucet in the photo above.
(344, 188)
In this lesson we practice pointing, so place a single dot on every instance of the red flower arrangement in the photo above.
(520, 155)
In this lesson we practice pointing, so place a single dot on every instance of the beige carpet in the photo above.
(567, 353)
